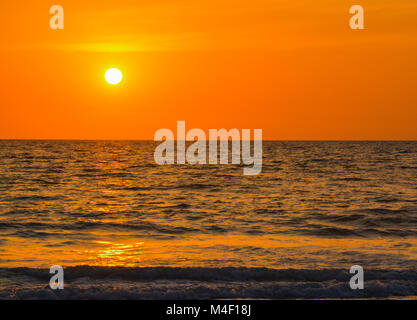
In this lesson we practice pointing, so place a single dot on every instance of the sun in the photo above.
(113, 76)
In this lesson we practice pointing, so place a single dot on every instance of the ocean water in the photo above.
(126, 228)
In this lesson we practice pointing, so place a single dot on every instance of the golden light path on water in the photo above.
(215, 251)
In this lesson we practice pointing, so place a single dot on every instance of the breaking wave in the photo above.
(84, 282)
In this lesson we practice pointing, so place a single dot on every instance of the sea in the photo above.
(124, 227)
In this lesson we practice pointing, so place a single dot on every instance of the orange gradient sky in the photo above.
(292, 68)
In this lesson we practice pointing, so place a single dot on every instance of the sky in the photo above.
(293, 68)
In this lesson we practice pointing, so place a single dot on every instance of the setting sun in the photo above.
(113, 76)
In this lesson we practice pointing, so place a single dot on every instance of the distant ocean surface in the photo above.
(126, 228)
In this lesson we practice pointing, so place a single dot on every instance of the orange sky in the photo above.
(292, 68)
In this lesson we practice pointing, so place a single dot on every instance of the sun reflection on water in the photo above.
(116, 254)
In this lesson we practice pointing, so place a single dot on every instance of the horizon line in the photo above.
(266, 140)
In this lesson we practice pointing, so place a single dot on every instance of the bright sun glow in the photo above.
(113, 76)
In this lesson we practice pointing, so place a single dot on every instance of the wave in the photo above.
(87, 282)
(214, 274)
(29, 228)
